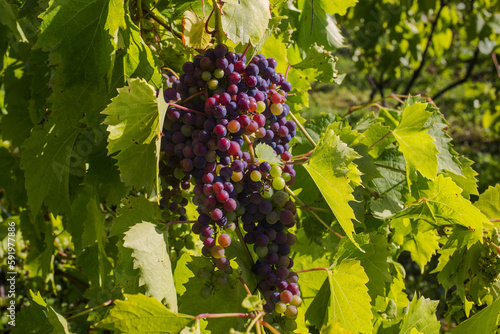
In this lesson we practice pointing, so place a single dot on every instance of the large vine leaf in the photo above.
(489, 202)
(245, 20)
(485, 321)
(344, 298)
(440, 203)
(142, 314)
(134, 123)
(328, 166)
(45, 159)
(422, 317)
(81, 38)
(417, 146)
(150, 256)
(39, 318)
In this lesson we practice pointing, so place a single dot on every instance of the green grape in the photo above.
(286, 176)
(279, 183)
(218, 73)
(256, 176)
(275, 171)
(296, 300)
(276, 109)
(217, 252)
(205, 292)
(206, 76)
(261, 106)
(213, 84)
(291, 311)
(280, 307)
(203, 273)
(272, 217)
(231, 226)
(221, 280)
(261, 251)
(290, 325)
(231, 216)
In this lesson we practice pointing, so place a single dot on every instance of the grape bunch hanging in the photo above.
(220, 108)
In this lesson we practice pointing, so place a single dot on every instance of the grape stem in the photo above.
(268, 326)
(186, 109)
(245, 285)
(311, 269)
(240, 236)
(301, 127)
(391, 168)
(250, 148)
(172, 71)
(219, 33)
(90, 309)
(254, 321)
(245, 52)
(203, 92)
(287, 69)
(224, 315)
(208, 20)
(383, 137)
(308, 208)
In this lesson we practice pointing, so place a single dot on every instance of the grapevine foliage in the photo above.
(170, 183)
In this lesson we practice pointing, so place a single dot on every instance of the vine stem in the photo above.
(250, 147)
(308, 208)
(287, 69)
(186, 109)
(172, 71)
(391, 168)
(193, 96)
(268, 326)
(378, 141)
(208, 20)
(301, 127)
(245, 285)
(254, 321)
(90, 309)
(164, 24)
(311, 269)
(219, 33)
(224, 315)
(495, 221)
(240, 236)
(245, 52)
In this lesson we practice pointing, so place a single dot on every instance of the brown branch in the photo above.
(417, 72)
(461, 81)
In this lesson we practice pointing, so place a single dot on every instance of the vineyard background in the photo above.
(381, 88)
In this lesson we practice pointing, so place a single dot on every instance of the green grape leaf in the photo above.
(81, 38)
(373, 260)
(328, 166)
(142, 314)
(39, 318)
(416, 237)
(421, 316)
(489, 202)
(323, 28)
(191, 302)
(335, 328)
(11, 176)
(132, 211)
(439, 203)
(245, 20)
(140, 61)
(134, 121)
(45, 159)
(345, 298)
(252, 303)
(415, 143)
(150, 256)
(485, 321)
(319, 64)
(447, 157)
(391, 185)
(467, 180)
(193, 31)
(266, 153)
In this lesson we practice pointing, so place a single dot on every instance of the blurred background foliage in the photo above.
(445, 50)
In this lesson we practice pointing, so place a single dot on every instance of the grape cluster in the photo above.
(219, 109)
